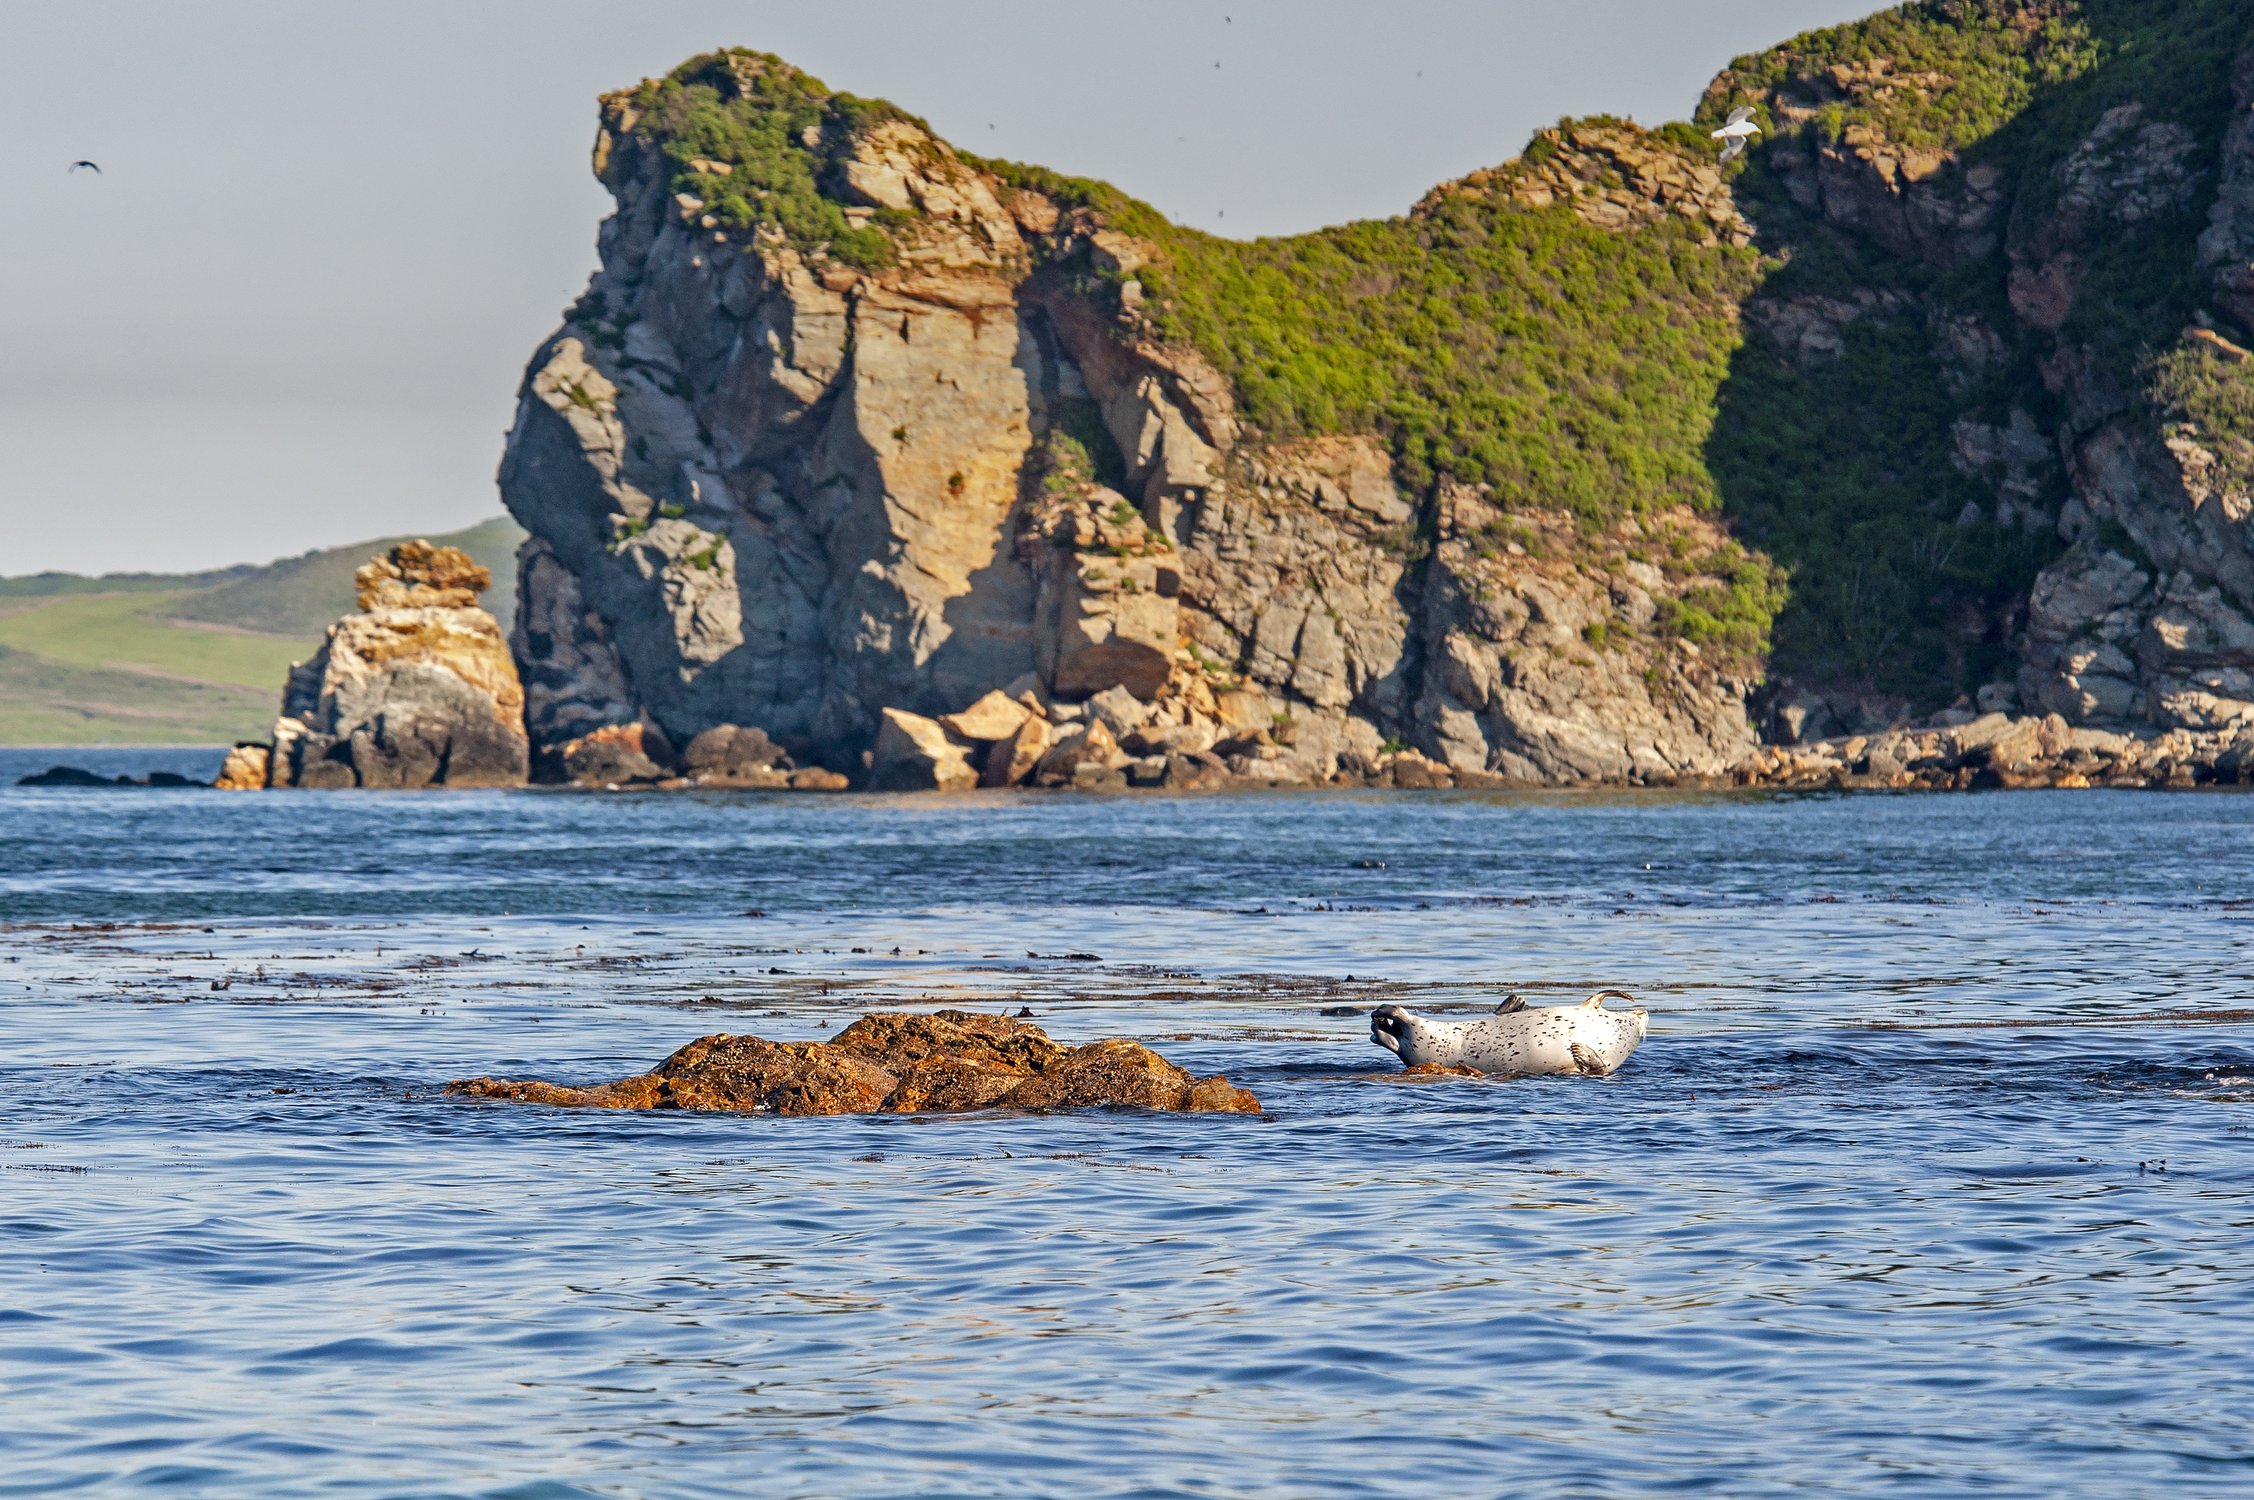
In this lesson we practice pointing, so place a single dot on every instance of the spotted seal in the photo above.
(1584, 1038)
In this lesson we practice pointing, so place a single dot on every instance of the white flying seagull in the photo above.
(1736, 130)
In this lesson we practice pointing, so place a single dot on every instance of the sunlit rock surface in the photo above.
(416, 689)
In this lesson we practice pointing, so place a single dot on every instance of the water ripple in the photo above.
(1933, 1177)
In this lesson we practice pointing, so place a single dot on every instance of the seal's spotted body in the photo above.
(1584, 1038)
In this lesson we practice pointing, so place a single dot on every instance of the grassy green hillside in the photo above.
(188, 659)
(299, 596)
(49, 585)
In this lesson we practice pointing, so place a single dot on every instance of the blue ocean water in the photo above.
(1933, 1176)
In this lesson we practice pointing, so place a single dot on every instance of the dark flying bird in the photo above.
(89, 166)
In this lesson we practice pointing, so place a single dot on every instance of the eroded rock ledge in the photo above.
(2013, 752)
(897, 1064)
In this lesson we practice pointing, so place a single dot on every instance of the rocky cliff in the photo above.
(1940, 397)
(849, 422)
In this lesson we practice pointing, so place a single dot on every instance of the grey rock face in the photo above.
(2228, 245)
(2142, 622)
(1912, 200)
(737, 522)
(2164, 635)
(730, 750)
(916, 754)
(1543, 673)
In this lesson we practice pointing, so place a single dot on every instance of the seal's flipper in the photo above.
(1511, 1006)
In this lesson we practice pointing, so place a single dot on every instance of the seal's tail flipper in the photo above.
(1511, 1006)
(1388, 1025)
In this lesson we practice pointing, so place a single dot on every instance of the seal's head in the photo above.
(1636, 1013)
(1391, 1027)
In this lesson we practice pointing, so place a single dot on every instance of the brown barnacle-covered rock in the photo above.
(896, 1063)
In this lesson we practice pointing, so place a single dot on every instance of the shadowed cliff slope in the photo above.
(2003, 236)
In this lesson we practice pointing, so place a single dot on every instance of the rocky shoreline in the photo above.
(1049, 750)
(2000, 751)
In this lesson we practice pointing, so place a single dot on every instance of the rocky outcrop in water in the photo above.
(81, 779)
(897, 1064)
(415, 689)
(725, 757)
(248, 767)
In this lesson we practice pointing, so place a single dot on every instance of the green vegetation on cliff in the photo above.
(2022, 79)
(1489, 342)
(1922, 76)
(1566, 365)
(1570, 367)
(1844, 468)
(2210, 391)
(779, 133)
(2202, 384)
(1841, 471)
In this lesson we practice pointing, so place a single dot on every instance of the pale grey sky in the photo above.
(293, 310)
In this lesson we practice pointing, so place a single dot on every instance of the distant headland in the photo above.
(1914, 447)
